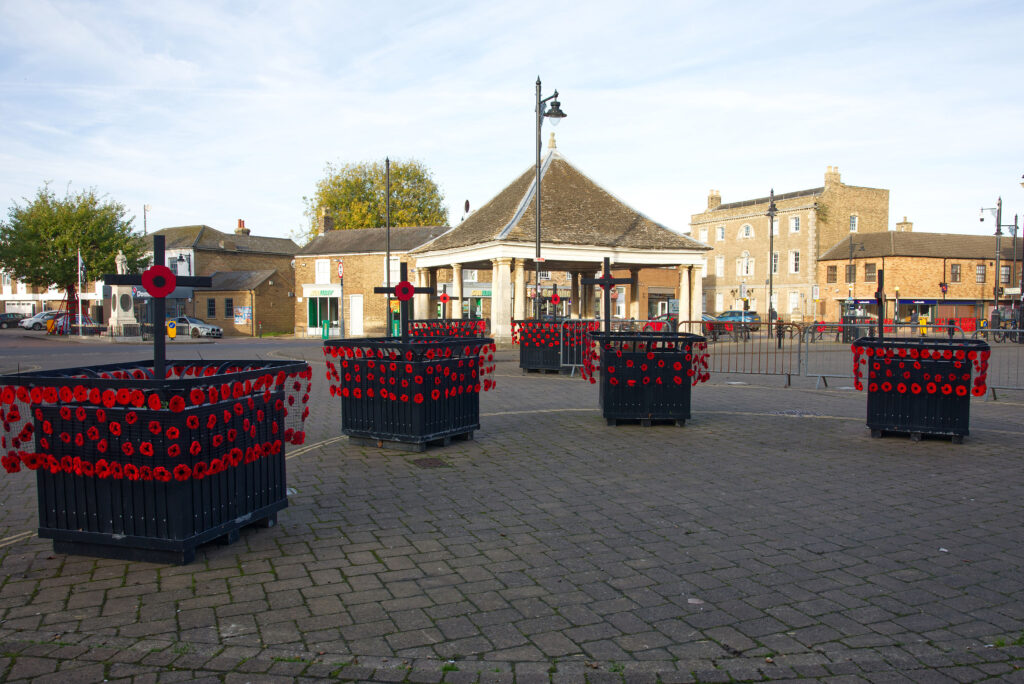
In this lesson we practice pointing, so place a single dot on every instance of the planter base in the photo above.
(152, 549)
(957, 438)
(647, 422)
(408, 445)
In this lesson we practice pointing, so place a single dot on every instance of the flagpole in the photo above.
(79, 291)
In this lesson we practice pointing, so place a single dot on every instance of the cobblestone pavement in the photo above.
(769, 539)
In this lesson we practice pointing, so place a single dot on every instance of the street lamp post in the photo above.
(556, 114)
(849, 270)
(146, 208)
(997, 211)
(771, 258)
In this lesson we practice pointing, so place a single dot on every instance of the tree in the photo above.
(354, 196)
(40, 240)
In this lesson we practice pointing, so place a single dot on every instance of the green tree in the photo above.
(40, 239)
(354, 196)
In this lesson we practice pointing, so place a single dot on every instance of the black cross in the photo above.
(403, 292)
(445, 298)
(554, 298)
(159, 282)
(606, 281)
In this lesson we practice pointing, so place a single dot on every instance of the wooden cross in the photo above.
(403, 292)
(554, 298)
(444, 299)
(606, 281)
(880, 301)
(159, 282)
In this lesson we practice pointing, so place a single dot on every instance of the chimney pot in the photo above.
(241, 229)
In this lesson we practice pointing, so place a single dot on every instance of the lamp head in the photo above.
(981, 215)
(554, 112)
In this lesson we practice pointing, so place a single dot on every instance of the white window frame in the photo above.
(544, 275)
(719, 302)
(775, 263)
(794, 301)
(720, 266)
(720, 234)
(854, 223)
(794, 224)
(469, 275)
(322, 271)
(704, 235)
(794, 261)
(746, 232)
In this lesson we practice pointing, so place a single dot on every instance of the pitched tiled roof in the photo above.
(207, 238)
(935, 245)
(239, 280)
(813, 192)
(365, 240)
(574, 211)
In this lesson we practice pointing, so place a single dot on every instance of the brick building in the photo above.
(345, 296)
(807, 224)
(246, 268)
(916, 266)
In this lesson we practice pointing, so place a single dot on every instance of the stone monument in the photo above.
(122, 307)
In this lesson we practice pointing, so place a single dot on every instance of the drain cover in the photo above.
(430, 463)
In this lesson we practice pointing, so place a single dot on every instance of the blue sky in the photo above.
(215, 111)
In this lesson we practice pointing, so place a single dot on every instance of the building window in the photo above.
(979, 274)
(720, 266)
(747, 231)
(745, 266)
(720, 234)
(794, 261)
(568, 276)
(211, 308)
(544, 275)
(775, 262)
(719, 302)
(794, 301)
(469, 275)
(703, 234)
(853, 223)
(7, 278)
(1004, 275)
(229, 307)
(831, 274)
(851, 273)
(172, 263)
(323, 271)
(794, 224)
(954, 273)
(869, 272)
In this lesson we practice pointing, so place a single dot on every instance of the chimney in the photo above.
(714, 199)
(832, 176)
(904, 226)
(241, 229)
(325, 223)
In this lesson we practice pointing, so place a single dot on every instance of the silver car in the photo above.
(38, 322)
(195, 327)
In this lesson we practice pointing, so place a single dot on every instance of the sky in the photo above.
(213, 111)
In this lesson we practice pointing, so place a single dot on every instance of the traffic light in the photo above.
(746, 305)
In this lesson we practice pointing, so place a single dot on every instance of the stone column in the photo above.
(685, 311)
(501, 290)
(456, 302)
(634, 296)
(696, 296)
(574, 294)
(519, 294)
(420, 302)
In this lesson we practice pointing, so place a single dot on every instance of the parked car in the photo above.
(38, 322)
(10, 318)
(195, 327)
(751, 320)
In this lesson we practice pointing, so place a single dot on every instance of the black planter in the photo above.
(408, 395)
(135, 468)
(553, 345)
(646, 377)
(448, 327)
(920, 386)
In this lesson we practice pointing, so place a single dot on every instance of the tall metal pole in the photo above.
(999, 236)
(536, 259)
(387, 230)
(771, 258)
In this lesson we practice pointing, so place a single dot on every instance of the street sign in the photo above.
(341, 269)
(743, 290)
(172, 329)
(1011, 290)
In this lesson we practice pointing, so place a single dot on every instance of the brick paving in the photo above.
(768, 539)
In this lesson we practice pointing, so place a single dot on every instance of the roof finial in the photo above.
(551, 141)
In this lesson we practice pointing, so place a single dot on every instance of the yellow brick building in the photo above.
(807, 224)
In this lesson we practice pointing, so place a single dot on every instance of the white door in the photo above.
(355, 315)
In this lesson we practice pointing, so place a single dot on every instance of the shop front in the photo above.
(323, 304)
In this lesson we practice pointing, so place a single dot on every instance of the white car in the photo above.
(38, 322)
(194, 327)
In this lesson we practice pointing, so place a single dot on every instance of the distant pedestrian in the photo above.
(951, 328)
